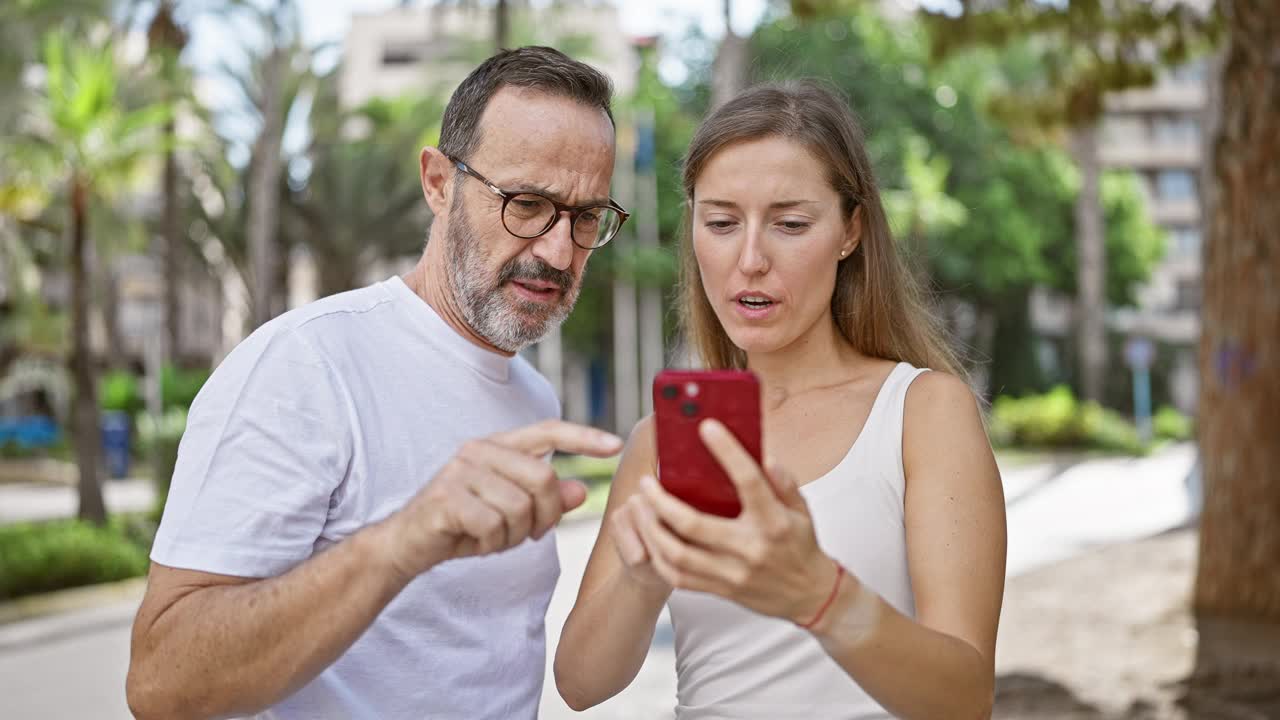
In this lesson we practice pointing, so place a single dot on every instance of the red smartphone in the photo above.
(681, 400)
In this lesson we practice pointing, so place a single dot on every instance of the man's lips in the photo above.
(537, 291)
(538, 285)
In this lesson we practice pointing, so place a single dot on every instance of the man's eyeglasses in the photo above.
(528, 214)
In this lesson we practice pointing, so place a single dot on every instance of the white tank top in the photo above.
(732, 663)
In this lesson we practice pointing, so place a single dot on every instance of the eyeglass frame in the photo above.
(574, 211)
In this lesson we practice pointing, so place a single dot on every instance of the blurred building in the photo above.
(1159, 133)
(128, 311)
(430, 49)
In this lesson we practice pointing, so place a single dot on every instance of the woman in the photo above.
(864, 577)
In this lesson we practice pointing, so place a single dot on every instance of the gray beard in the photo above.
(509, 324)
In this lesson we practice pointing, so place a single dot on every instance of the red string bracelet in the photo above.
(830, 598)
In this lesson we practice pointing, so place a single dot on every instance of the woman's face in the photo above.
(768, 233)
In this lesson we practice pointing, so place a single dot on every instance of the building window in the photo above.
(402, 54)
(1175, 185)
(1124, 130)
(1191, 73)
(1187, 295)
(1176, 130)
(1184, 241)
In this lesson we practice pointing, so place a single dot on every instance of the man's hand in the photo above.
(491, 496)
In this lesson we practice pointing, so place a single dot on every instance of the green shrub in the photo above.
(1103, 429)
(119, 391)
(179, 387)
(1039, 420)
(48, 556)
(1169, 424)
(1057, 420)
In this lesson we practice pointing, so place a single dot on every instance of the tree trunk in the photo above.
(117, 355)
(1091, 267)
(336, 276)
(85, 413)
(173, 245)
(501, 25)
(264, 189)
(729, 71)
(1237, 590)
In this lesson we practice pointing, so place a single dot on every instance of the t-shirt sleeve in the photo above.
(267, 442)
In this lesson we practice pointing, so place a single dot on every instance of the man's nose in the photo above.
(555, 247)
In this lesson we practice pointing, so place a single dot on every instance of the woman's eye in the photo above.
(720, 224)
(794, 225)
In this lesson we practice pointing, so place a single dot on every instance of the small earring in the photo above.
(843, 253)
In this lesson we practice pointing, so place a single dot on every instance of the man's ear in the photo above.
(436, 172)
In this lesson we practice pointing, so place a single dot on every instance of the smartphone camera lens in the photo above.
(689, 409)
(669, 392)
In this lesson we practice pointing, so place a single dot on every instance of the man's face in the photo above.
(512, 290)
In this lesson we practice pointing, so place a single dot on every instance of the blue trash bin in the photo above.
(115, 443)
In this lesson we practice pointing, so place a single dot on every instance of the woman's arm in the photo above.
(942, 664)
(939, 665)
(608, 632)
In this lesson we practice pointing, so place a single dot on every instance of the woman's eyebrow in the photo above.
(780, 204)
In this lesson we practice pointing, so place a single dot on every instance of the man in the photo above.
(348, 455)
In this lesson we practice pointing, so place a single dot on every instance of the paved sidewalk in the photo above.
(20, 502)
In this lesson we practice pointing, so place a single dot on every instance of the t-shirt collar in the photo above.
(491, 364)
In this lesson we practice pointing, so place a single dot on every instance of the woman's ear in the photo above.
(853, 233)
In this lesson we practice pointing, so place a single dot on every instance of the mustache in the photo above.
(536, 270)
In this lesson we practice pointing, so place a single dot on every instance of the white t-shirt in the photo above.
(327, 419)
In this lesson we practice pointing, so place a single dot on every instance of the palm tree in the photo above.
(23, 24)
(361, 201)
(276, 77)
(167, 40)
(79, 132)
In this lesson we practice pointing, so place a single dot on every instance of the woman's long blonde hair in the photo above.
(877, 303)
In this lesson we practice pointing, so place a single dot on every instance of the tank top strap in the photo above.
(883, 429)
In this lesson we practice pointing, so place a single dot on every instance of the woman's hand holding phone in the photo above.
(624, 528)
(767, 559)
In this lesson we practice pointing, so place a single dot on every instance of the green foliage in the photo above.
(361, 199)
(1075, 52)
(122, 390)
(179, 387)
(88, 128)
(1134, 244)
(1057, 420)
(119, 391)
(1169, 424)
(48, 556)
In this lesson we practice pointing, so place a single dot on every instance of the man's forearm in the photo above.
(235, 649)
